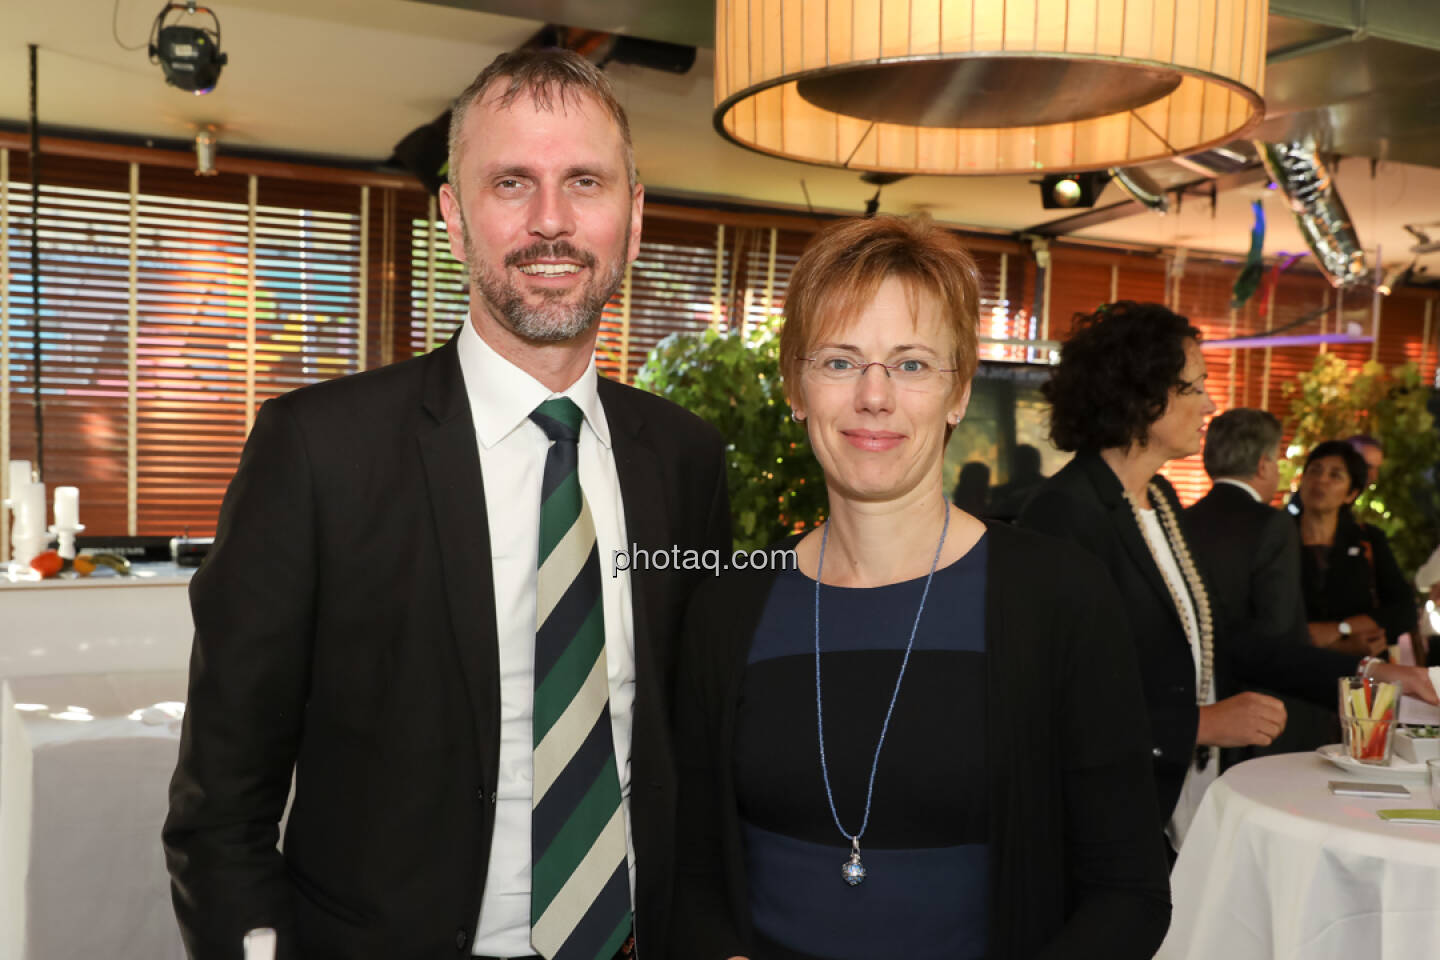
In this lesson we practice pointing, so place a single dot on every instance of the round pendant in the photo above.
(853, 870)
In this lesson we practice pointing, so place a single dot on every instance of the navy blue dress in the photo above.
(925, 849)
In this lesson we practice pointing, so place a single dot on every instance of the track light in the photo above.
(1142, 188)
(1067, 191)
(1396, 276)
(190, 56)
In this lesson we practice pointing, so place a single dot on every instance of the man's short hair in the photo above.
(546, 75)
(1237, 440)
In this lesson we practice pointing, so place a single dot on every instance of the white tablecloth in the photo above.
(1275, 866)
(96, 624)
(82, 873)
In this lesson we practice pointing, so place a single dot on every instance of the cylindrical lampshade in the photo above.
(987, 86)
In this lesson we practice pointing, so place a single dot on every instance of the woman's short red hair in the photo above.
(843, 267)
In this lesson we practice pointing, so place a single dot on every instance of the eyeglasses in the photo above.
(911, 373)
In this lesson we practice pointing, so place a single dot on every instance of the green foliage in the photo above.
(733, 381)
(1332, 402)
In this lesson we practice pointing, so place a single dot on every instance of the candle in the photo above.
(19, 477)
(29, 500)
(67, 506)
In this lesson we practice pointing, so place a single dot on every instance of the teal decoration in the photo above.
(1250, 275)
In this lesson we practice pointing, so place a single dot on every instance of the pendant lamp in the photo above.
(987, 86)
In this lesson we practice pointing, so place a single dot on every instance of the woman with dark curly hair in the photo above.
(1356, 598)
(1128, 396)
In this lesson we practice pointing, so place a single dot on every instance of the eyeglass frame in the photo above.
(863, 367)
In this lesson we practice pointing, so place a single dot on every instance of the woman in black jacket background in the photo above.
(1128, 396)
(1356, 598)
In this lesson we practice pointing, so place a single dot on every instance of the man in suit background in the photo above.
(404, 607)
(1250, 553)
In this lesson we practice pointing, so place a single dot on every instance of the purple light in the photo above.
(1299, 340)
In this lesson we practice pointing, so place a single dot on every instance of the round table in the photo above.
(1275, 867)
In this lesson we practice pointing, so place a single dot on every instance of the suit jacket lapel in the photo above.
(451, 460)
(1112, 495)
(637, 465)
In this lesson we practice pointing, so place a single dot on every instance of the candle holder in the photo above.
(25, 547)
(66, 537)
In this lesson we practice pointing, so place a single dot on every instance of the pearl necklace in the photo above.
(1178, 546)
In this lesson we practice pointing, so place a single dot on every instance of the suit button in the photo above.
(460, 939)
(492, 799)
(1156, 752)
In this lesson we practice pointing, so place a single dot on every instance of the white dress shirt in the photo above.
(512, 465)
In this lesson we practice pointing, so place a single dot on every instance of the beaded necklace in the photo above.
(1206, 641)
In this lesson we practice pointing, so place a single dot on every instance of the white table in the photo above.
(82, 801)
(1277, 868)
(96, 624)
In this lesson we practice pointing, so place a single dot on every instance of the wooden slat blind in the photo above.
(247, 287)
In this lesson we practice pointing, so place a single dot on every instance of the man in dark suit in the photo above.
(1250, 550)
(404, 606)
(1250, 553)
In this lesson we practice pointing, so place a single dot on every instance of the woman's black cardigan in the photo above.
(1084, 503)
(1078, 869)
(1353, 583)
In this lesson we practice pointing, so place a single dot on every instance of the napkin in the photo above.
(1415, 710)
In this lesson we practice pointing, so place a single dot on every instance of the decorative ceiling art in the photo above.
(987, 86)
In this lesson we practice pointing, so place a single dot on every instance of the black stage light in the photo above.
(655, 54)
(1062, 191)
(190, 56)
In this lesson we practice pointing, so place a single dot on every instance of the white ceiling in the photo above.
(349, 78)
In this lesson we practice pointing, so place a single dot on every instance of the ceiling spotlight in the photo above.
(205, 153)
(1072, 190)
(190, 56)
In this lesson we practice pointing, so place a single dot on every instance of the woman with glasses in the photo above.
(1128, 396)
(926, 738)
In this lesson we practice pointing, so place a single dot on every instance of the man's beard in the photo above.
(556, 318)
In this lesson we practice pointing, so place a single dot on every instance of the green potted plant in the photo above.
(732, 379)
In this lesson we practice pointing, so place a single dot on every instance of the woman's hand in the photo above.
(1245, 720)
(1414, 681)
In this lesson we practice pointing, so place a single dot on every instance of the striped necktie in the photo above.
(580, 889)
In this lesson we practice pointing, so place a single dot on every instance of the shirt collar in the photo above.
(502, 395)
(1242, 485)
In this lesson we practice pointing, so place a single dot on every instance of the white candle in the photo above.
(29, 502)
(67, 506)
(19, 477)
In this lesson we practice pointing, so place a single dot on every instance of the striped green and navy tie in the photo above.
(580, 888)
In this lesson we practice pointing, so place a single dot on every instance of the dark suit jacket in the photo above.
(1353, 584)
(345, 629)
(1250, 553)
(1251, 556)
(1085, 503)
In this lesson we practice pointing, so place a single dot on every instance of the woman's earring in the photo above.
(795, 415)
